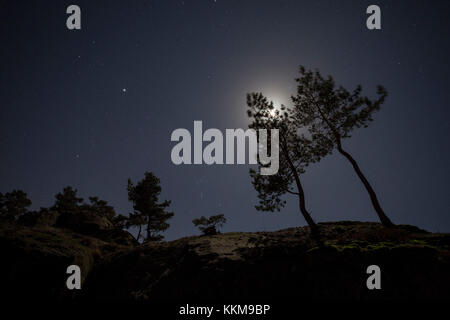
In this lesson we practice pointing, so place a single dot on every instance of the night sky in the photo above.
(93, 107)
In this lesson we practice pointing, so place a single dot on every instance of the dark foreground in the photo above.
(247, 267)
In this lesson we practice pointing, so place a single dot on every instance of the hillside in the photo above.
(242, 266)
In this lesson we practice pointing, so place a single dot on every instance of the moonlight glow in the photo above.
(273, 112)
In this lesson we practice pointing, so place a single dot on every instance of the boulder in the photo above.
(39, 218)
(84, 222)
(35, 260)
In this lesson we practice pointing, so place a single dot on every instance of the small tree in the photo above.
(148, 210)
(67, 201)
(100, 208)
(331, 113)
(210, 225)
(13, 204)
(68, 204)
(296, 153)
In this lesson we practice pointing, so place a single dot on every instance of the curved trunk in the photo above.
(139, 233)
(301, 201)
(373, 197)
(301, 198)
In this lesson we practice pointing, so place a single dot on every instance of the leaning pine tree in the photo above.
(296, 152)
(331, 113)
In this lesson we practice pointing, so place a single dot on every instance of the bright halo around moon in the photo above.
(278, 98)
(277, 102)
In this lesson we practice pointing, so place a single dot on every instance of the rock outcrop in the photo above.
(83, 222)
(262, 266)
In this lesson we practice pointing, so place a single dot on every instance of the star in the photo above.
(124, 90)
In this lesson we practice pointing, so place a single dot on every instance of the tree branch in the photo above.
(292, 192)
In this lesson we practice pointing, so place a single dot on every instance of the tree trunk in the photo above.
(139, 233)
(301, 198)
(301, 202)
(373, 197)
(148, 232)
